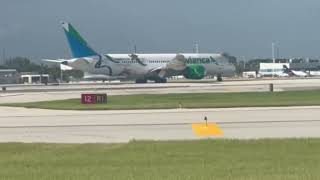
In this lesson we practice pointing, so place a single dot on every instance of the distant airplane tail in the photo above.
(286, 70)
(79, 47)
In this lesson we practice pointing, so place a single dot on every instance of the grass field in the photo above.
(296, 159)
(201, 100)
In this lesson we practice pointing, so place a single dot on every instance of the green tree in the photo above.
(254, 64)
(75, 74)
(22, 64)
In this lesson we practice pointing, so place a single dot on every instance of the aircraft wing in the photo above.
(54, 60)
(63, 63)
(178, 64)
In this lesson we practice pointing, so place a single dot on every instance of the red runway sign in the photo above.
(93, 98)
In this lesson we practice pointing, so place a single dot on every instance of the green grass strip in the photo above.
(199, 100)
(296, 159)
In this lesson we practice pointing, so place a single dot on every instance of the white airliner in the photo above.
(294, 73)
(314, 73)
(141, 67)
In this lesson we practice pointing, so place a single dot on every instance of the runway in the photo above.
(55, 126)
(44, 93)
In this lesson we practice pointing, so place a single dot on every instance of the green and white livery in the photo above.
(141, 67)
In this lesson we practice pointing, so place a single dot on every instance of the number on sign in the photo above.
(88, 99)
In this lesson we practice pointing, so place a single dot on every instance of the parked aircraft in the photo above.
(293, 72)
(141, 67)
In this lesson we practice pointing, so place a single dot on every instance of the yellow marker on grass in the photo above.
(207, 129)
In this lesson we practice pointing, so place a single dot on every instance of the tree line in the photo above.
(22, 64)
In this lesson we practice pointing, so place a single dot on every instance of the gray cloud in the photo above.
(243, 28)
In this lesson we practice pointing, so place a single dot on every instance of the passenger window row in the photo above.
(155, 61)
(131, 62)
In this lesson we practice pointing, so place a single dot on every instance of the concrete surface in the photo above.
(43, 93)
(36, 125)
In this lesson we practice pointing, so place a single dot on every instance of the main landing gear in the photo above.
(219, 77)
(141, 81)
(160, 80)
(157, 80)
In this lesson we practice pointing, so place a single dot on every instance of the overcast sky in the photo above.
(240, 27)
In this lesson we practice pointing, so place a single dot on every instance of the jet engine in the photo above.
(194, 71)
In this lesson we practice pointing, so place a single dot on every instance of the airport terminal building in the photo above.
(9, 76)
(271, 69)
(12, 76)
(306, 65)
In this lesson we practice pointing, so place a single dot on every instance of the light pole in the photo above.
(273, 58)
(196, 48)
(61, 74)
(273, 53)
(3, 56)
